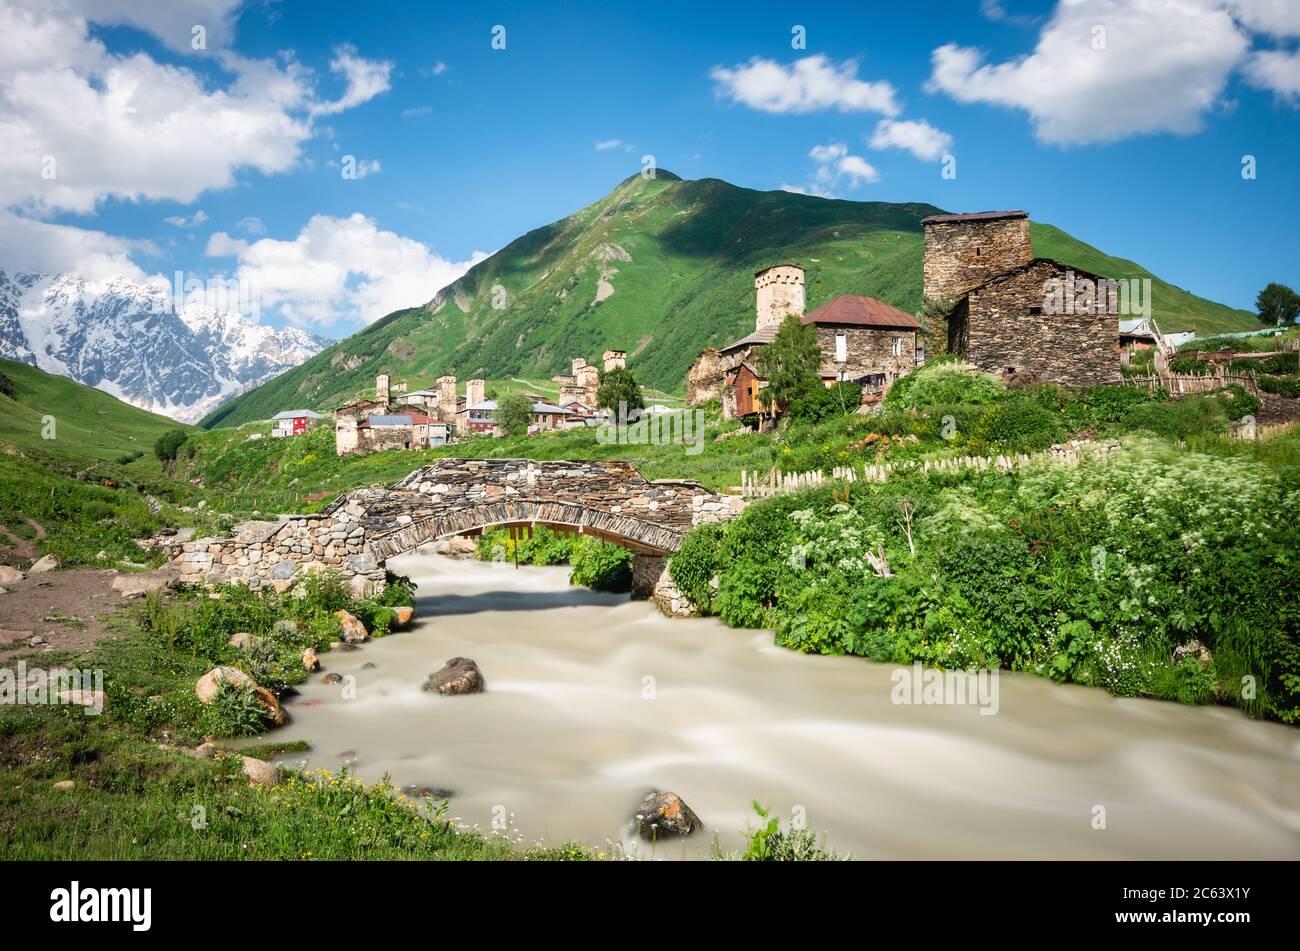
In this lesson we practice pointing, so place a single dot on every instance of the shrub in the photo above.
(693, 566)
(943, 381)
(169, 444)
(235, 711)
(1287, 386)
(600, 565)
(1179, 419)
(1018, 425)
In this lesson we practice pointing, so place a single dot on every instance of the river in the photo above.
(592, 700)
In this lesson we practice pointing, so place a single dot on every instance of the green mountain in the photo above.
(87, 424)
(660, 268)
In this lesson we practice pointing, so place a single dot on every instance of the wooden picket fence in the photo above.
(756, 485)
(1182, 384)
(1251, 431)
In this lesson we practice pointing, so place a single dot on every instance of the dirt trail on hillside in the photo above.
(65, 608)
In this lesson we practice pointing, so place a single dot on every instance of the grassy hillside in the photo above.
(88, 424)
(659, 268)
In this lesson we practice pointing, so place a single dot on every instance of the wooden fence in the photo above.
(756, 485)
(1182, 384)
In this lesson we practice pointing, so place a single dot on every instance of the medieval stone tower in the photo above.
(446, 397)
(780, 293)
(474, 392)
(964, 251)
(615, 359)
(381, 389)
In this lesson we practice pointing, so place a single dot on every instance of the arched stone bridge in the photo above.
(359, 531)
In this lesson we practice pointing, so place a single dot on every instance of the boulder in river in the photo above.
(274, 712)
(402, 615)
(310, 662)
(332, 678)
(353, 629)
(663, 815)
(458, 675)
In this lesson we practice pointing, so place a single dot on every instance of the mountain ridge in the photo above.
(129, 340)
(661, 268)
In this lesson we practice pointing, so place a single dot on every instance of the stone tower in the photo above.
(474, 392)
(446, 398)
(779, 290)
(964, 251)
(615, 359)
(381, 389)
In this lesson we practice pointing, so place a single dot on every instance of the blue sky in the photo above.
(1131, 138)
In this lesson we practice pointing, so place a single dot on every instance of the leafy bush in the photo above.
(235, 711)
(693, 566)
(600, 565)
(822, 403)
(1020, 424)
(169, 444)
(944, 381)
(1287, 386)
(544, 546)
(770, 843)
(1181, 418)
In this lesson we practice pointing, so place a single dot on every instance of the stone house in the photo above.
(861, 339)
(1008, 312)
(356, 431)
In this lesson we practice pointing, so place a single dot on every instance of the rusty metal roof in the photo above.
(975, 216)
(853, 310)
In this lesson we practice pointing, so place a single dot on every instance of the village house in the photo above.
(480, 419)
(293, 422)
(1005, 310)
(862, 340)
(368, 425)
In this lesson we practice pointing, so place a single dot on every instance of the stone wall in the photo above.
(356, 533)
(704, 378)
(963, 252)
(869, 350)
(779, 292)
(1003, 327)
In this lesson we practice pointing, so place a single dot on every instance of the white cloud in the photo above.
(807, 85)
(222, 245)
(171, 21)
(1276, 70)
(104, 125)
(915, 135)
(996, 12)
(834, 166)
(252, 224)
(608, 144)
(365, 78)
(1274, 17)
(38, 246)
(1164, 66)
(439, 68)
(192, 221)
(342, 269)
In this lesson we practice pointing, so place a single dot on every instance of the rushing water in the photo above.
(592, 700)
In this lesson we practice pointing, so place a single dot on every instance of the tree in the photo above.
(1277, 304)
(514, 414)
(789, 364)
(169, 444)
(619, 386)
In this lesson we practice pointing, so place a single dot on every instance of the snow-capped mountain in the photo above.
(128, 339)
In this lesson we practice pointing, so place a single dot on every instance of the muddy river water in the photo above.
(592, 700)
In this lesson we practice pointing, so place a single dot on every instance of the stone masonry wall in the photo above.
(356, 533)
(997, 331)
(869, 350)
(963, 254)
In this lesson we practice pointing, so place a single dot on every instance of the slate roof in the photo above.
(975, 216)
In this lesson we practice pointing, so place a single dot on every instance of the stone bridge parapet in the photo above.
(356, 533)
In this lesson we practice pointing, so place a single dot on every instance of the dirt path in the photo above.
(1276, 409)
(66, 608)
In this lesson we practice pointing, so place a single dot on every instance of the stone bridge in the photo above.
(358, 532)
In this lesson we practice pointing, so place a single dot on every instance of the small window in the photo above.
(899, 343)
(841, 348)
(1036, 310)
